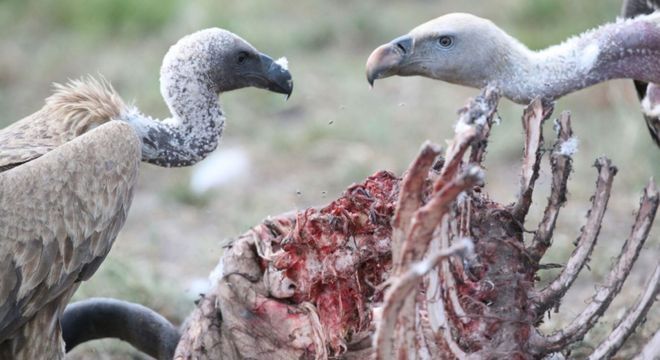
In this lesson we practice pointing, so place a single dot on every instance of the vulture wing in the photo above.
(59, 215)
(25, 140)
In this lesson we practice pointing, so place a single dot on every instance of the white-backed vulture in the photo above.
(468, 50)
(67, 174)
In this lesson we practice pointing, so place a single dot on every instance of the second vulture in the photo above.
(67, 174)
(468, 50)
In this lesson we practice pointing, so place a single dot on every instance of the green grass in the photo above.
(331, 133)
(98, 19)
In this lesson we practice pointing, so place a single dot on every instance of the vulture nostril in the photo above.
(403, 43)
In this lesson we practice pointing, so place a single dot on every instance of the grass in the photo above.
(331, 133)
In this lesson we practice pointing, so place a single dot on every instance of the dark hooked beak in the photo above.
(386, 60)
(277, 77)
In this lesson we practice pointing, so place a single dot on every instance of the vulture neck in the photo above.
(196, 123)
(625, 49)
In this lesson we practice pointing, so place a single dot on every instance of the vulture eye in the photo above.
(445, 41)
(242, 56)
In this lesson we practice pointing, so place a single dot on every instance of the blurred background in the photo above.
(278, 156)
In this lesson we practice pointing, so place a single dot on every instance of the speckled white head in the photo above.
(222, 61)
(194, 72)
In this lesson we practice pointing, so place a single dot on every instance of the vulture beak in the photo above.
(387, 59)
(276, 75)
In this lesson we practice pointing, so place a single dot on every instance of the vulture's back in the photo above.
(72, 110)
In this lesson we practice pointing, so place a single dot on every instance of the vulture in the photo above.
(471, 51)
(67, 174)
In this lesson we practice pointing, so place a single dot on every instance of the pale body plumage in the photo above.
(67, 174)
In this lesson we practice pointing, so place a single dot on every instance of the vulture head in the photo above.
(458, 48)
(195, 70)
(225, 62)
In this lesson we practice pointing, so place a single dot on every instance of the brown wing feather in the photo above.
(59, 215)
(72, 110)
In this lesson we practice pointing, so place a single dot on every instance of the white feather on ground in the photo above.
(219, 169)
